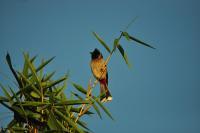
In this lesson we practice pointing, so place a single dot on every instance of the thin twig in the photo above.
(83, 111)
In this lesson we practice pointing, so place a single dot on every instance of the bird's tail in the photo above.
(104, 92)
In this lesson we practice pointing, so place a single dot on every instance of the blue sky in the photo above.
(160, 93)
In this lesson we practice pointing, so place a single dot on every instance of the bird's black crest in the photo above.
(95, 54)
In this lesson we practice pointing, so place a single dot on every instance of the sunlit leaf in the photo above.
(34, 94)
(70, 121)
(33, 70)
(102, 42)
(48, 76)
(55, 82)
(79, 88)
(29, 83)
(44, 63)
(72, 102)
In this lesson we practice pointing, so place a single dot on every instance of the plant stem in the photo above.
(83, 111)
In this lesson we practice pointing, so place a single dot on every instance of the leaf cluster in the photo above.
(39, 103)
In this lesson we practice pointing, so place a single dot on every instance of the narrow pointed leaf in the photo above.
(104, 109)
(102, 42)
(48, 76)
(79, 88)
(55, 82)
(61, 90)
(12, 123)
(33, 70)
(72, 102)
(31, 103)
(8, 59)
(29, 83)
(124, 55)
(6, 93)
(44, 64)
(84, 125)
(25, 69)
(41, 70)
(63, 129)
(92, 102)
(52, 122)
(33, 58)
(136, 40)
(77, 110)
(96, 109)
(126, 35)
(4, 99)
(70, 121)
(115, 44)
(18, 101)
(19, 129)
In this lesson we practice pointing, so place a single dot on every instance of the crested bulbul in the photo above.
(99, 70)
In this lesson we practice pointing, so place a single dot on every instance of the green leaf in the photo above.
(136, 40)
(4, 99)
(52, 122)
(34, 94)
(33, 58)
(69, 121)
(6, 93)
(61, 90)
(33, 70)
(96, 109)
(41, 70)
(124, 55)
(84, 125)
(19, 129)
(18, 101)
(25, 69)
(79, 88)
(48, 76)
(104, 109)
(126, 35)
(12, 123)
(8, 59)
(77, 110)
(116, 43)
(72, 102)
(102, 42)
(29, 83)
(62, 126)
(44, 63)
(55, 82)
(32, 103)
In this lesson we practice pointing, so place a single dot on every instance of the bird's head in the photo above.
(96, 54)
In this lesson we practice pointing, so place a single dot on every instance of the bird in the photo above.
(99, 70)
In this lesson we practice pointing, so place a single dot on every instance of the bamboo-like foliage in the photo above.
(39, 103)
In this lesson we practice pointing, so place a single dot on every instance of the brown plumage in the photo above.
(99, 70)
